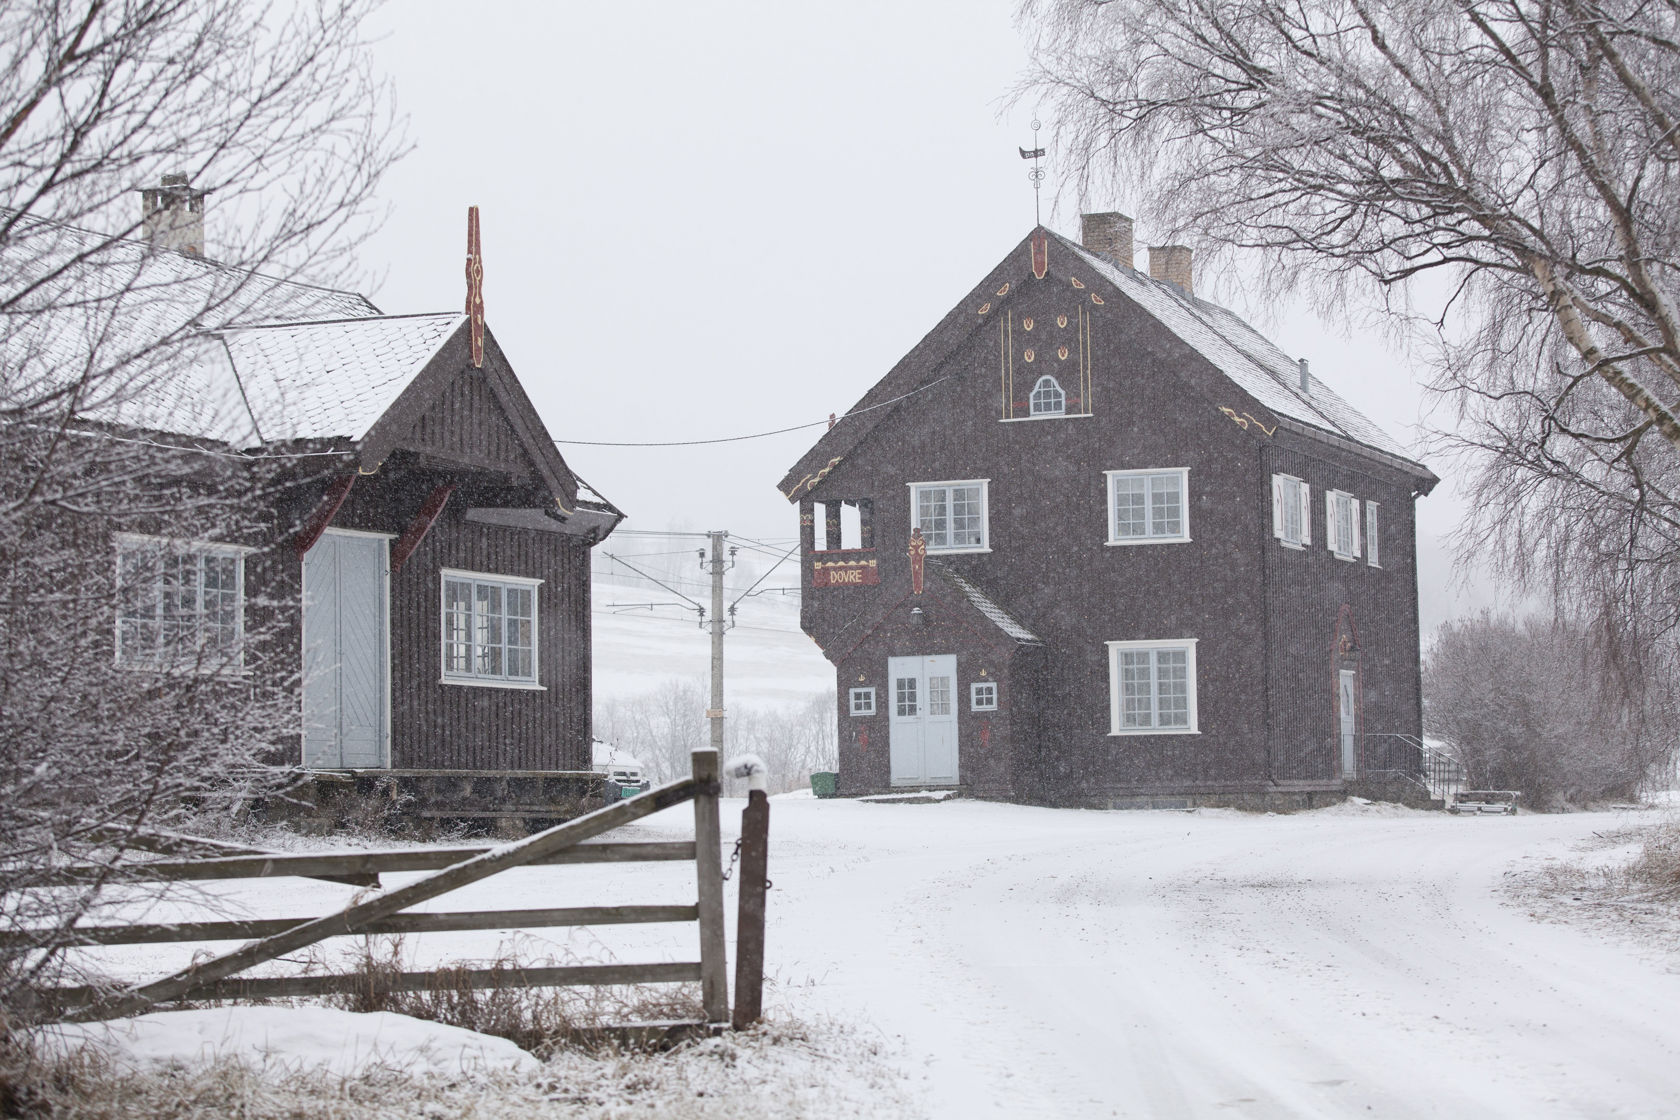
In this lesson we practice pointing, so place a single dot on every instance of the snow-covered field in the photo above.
(1020, 962)
(768, 660)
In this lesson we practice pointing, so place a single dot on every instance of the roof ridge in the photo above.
(280, 324)
(207, 263)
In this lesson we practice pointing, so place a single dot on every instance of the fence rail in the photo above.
(446, 870)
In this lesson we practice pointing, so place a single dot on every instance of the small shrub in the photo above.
(1658, 865)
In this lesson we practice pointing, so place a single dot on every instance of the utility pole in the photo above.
(717, 567)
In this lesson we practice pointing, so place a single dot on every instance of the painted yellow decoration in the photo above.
(1095, 298)
(985, 307)
(1076, 282)
(1026, 324)
(1062, 352)
(1003, 291)
(810, 481)
(1061, 320)
(1028, 355)
(1244, 419)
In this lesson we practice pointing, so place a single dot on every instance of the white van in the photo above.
(620, 768)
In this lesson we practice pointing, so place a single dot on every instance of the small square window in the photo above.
(982, 696)
(863, 701)
(1148, 507)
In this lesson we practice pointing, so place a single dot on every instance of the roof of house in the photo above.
(331, 379)
(1233, 347)
(983, 603)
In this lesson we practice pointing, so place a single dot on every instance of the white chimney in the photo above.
(172, 216)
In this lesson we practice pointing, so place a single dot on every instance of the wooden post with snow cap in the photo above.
(708, 871)
(751, 887)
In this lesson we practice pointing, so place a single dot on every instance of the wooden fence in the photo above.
(450, 869)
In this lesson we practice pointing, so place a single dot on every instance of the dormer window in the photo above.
(1048, 398)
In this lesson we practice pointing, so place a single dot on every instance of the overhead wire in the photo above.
(832, 420)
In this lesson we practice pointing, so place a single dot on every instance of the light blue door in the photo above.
(346, 652)
(922, 720)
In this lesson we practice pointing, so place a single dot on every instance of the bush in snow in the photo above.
(1537, 706)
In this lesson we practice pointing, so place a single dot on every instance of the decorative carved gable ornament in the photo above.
(918, 560)
(475, 288)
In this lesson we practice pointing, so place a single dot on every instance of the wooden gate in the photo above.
(452, 868)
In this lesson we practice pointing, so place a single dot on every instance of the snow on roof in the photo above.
(1242, 353)
(124, 328)
(325, 379)
(999, 617)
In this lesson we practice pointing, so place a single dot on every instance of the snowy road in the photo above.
(1046, 963)
(1053, 963)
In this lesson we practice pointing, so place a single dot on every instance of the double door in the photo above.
(922, 720)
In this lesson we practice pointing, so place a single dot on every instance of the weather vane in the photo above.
(1036, 175)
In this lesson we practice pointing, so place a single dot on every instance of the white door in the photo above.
(922, 720)
(346, 652)
(1349, 715)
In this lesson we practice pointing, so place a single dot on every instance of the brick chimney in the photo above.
(1109, 234)
(172, 216)
(1172, 264)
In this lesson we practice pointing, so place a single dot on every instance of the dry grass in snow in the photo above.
(781, 1070)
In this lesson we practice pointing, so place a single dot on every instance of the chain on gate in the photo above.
(735, 855)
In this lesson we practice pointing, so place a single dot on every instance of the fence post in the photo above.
(708, 870)
(752, 884)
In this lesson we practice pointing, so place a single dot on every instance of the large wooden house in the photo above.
(1096, 541)
(420, 580)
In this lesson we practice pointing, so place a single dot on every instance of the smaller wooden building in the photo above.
(419, 578)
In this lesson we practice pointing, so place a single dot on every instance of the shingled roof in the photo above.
(1251, 361)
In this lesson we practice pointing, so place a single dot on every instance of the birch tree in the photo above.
(1522, 152)
(276, 112)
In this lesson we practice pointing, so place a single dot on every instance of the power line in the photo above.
(755, 435)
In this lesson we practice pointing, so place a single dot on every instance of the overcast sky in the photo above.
(713, 220)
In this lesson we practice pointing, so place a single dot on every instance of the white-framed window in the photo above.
(1152, 687)
(1341, 524)
(489, 629)
(951, 515)
(180, 605)
(863, 701)
(1148, 507)
(1047, 397)
(1372, 556)
(1291, 511)
(982, 696)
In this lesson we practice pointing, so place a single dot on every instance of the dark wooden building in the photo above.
(1096, 541)
(421, 579)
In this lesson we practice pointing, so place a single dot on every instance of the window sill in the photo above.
(1046, 416)
(955, 551)
(982, 709)
(480, 682)
(1128, 541)
(1343, 556)
(1130, 732)
(186, 671)
(1296, 545)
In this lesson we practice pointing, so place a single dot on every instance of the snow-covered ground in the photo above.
(1355, 961)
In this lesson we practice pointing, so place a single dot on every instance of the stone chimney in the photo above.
(172, 216)
(1109, 234)
(1172, 264)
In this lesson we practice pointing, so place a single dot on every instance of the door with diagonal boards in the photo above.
(346, 652)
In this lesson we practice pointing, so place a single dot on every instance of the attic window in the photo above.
(1048, 398)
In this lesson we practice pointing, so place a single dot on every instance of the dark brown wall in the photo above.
(1306, 591)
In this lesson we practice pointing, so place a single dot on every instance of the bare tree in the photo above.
(274, 111)
(1522, 151)
(1516, 701)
